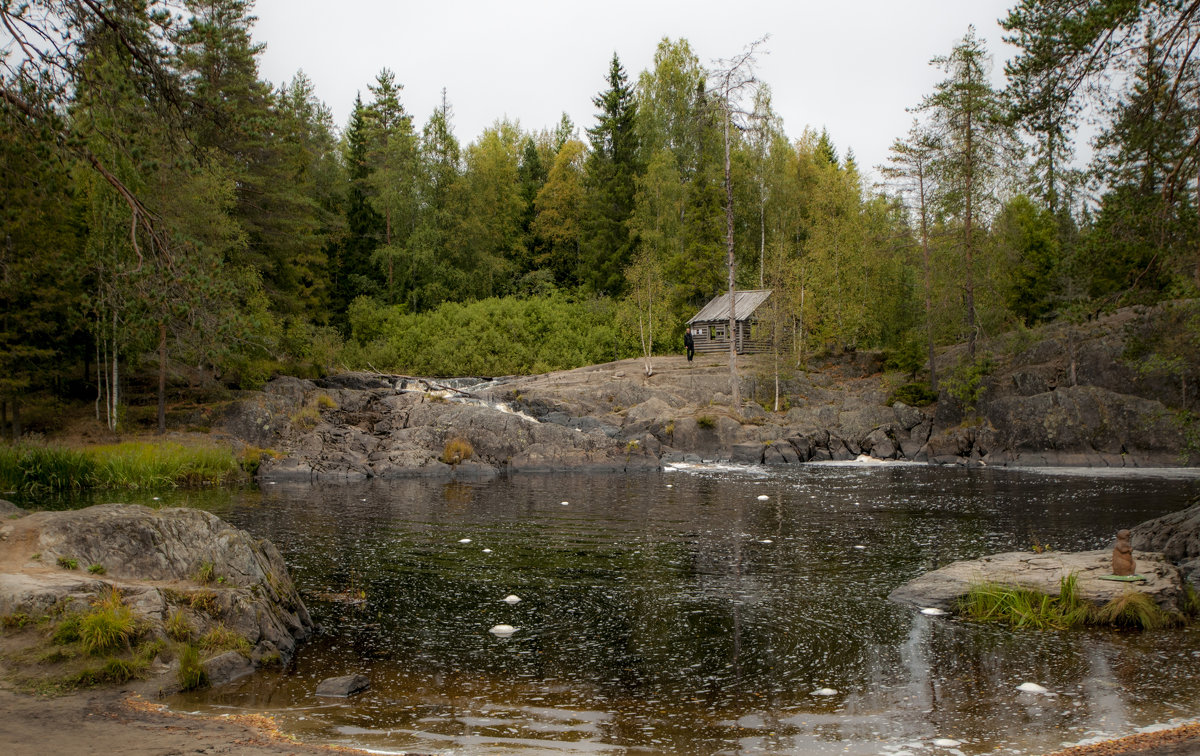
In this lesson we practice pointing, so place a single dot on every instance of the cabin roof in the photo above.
(718, 309)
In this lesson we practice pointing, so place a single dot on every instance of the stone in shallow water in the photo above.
(226, 668)
(512, 598)
(344, 686)
(824, 692)
(1028, 687)
(502, 631)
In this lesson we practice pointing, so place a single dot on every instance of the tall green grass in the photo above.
(1029, 609)
(31, 469)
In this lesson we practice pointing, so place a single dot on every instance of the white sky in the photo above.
(851, 66)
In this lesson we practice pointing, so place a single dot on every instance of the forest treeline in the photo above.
(168, 212)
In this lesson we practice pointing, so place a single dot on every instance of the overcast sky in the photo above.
(851, 66)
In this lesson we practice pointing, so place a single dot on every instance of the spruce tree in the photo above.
(611, 173)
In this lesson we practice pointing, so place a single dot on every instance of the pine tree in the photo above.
(391, 180)
(975, 141)
(612, 168)
(354, 275)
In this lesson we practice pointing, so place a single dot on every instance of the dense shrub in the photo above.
(508, 336)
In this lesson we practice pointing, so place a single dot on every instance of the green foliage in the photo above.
(908, 356)
(161, 465)
(35, 469)
(1028, 244)
(707, 422)
(67, 629)
(97, 569)
(485, 338)
(966, 382)
(191, 674)
(914, 395)
(68, 563)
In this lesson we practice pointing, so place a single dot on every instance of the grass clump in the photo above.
(253, 456)
(97, 569)
(221, 638)
(68, 563)
(205, 573)
(110, 625)
(1135, 611)
(1015, 607)
(1190, 605)
(457, 450)
(307, 417)
(1025, 608)
(708, 422)
(191, 673)
(177, 627)
(325, 402)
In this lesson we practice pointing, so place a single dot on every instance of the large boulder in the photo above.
(162, 561)
(1044, 573)
(1177, 536)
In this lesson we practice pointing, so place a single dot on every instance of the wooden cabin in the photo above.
(710, 326)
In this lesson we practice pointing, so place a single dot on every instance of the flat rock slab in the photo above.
(344, 686)
(943, 587)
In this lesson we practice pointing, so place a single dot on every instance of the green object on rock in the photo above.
(1125, 578)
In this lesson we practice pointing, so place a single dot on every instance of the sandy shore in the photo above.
(112, 721)
(108, 721)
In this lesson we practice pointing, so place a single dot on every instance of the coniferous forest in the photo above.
(171, 219)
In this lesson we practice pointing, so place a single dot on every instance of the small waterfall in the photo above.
(461, 391)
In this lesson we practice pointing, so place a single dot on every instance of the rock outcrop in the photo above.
(1177, 536)
(1071, 396)
(166, 562)
(394, 432)
(1043, 573)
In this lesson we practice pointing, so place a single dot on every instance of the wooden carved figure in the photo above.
(1122, 559)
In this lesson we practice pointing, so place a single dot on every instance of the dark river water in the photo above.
(699, 611)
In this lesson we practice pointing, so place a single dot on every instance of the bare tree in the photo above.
(733, 82)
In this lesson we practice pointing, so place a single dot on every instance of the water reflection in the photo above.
(678, 613)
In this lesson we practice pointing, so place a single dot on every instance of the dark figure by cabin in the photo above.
(689, 343)
(1122, 559)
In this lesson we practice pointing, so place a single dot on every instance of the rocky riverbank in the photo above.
(115, 591)
(1069, 395)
